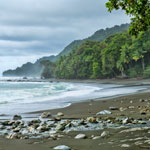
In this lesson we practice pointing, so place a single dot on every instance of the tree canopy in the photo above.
(139, 10)
(120, 55)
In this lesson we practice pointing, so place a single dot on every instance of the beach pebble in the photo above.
(96, 137)
(105, 134)
(46, 115)
(141, 100)
(59, 114)
(122, 109)
(80, 136)
(125, 121)
(104, 112)
(125, 145)
(113, 108)
(43, 128)
(62, 147)
(17, 117)
(91, 120)
(32, 122)
(13, 136)
(144, 111)
(17, 129)
(60, 127)
(131, 107)
(31, 129)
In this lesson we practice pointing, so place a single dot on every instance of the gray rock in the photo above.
(17, 129)
(60, 127)
(62, 147)
(104, 112)
(113, 108)
(91, 120)
(125, 121)
(105, 134)
(60, 114)
(96, 137)
(46, 115)
(125, 145)
(80, 136)
(43, 128)
(17, 117)
(34, 122)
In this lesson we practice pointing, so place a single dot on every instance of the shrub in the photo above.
(146, 73)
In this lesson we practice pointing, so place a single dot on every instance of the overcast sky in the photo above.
(30, 29)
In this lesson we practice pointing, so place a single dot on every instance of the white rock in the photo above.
(105, 134)
(62, 147)
(59, 114)
(125, 121)
(104, 112)
(96, 137)
(80, 136)
(125, 145)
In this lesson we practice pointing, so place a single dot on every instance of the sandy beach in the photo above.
(134, 107)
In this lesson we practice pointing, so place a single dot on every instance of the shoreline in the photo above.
(92, 106)
(118, 138)
(90, 92)
(133, 131)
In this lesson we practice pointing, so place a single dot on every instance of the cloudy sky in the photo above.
(30, 29)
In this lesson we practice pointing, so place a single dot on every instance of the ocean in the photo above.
(22, 97)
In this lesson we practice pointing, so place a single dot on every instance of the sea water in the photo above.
(21, 97)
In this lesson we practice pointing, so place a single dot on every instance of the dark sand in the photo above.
(88, 109)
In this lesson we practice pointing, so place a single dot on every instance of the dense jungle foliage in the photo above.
(120, 55)
(138, 10)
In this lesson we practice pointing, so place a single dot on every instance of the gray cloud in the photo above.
(42, 27)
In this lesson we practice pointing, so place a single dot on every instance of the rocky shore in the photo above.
(119, 123)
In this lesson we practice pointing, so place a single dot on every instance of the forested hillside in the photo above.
(35, 69)
(29, 69)
(120, 55)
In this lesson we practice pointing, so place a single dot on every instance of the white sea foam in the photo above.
(16, 97)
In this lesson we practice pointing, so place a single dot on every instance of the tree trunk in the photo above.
(143, 63)
(123, 74)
